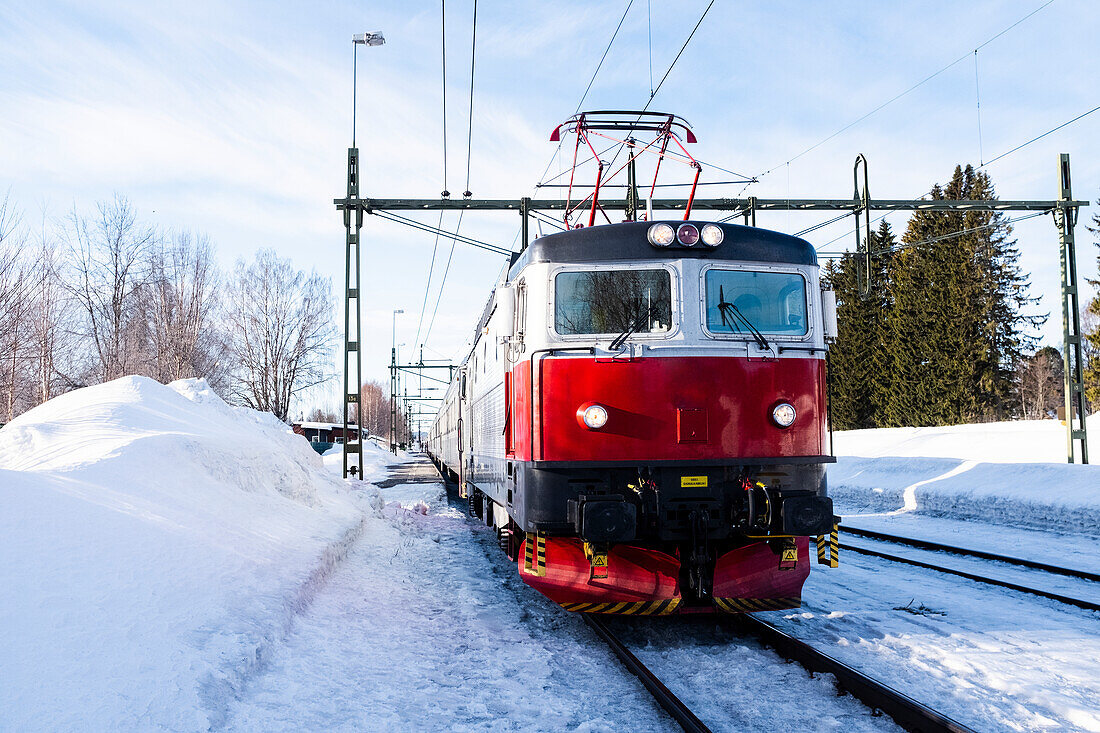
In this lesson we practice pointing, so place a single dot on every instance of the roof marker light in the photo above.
(712, 235)
(661, 235)
(688, 234)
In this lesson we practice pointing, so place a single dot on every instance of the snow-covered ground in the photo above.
(991, 658)
(1013, 474)
(156, 545)
(172, 563)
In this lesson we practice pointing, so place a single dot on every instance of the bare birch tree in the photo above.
(111, 257)
(51, 348)
(280, 329)
(14, 281)
(1039, 383)
(181, 303)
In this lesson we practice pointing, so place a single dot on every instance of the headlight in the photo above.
(593, 417)
(783, 414)
(661, 235)
(688, 235)
(712, 235)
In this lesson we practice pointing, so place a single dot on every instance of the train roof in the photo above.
(628, 241)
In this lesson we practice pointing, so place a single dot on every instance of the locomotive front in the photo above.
(642, 416)
(665, 433)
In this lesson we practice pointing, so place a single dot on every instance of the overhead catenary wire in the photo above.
(986, 164)
(1040, 137)
(941, 237)
(668, 71)
(397, 218)
(445, 192)
(978, 105)
(466, 193)
(584, 96)
(912, 88)
(679, 53)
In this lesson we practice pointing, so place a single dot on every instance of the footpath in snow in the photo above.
(427, 626)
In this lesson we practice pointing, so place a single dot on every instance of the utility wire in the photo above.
(920, 83)
(466, 193)
(1040, 137)
(390, 216)
(439, 225)
(470, 124)
(590, 82)
(978, 103)
(680, 53)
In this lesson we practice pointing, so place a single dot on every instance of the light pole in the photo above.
(352, 291)
(374, 38)
(393, 382)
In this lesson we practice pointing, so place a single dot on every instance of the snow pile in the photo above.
(1017, 441)
(156, 542)
(1012, 473)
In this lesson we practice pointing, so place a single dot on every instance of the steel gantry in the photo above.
(353, 223)
(1064, 209)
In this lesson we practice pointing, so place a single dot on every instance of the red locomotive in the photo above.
(643, 413)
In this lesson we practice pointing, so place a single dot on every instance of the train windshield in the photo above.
(773, 302)
(613, 301)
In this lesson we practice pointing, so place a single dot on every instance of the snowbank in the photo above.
(1017, 441)
(156, 543)
(1012, 473)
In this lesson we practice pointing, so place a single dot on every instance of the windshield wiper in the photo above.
(640, 319)
(731, 314)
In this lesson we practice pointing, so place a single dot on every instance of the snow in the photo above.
(1012, 473)
(1017, 441)
(991, 658)
(174, 563)
(157, 543)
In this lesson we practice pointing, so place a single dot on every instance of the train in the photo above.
(643, 417)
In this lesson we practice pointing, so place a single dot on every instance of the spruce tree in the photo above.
(1092, 336)
(955, 328)
(858, 359)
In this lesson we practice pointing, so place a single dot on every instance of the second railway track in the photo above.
(937, 547)
(908, 713)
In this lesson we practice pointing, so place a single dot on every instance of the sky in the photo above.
(234, 119)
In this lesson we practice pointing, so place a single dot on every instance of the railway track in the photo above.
(937, 547)
(905, 711)
(672, 705)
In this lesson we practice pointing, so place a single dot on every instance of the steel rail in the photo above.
(672, 705)
(908, 713)
(936, 546)
(1080, 603)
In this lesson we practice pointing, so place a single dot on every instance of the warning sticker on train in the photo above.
(693, 482)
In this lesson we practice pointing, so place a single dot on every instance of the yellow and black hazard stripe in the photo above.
(748, 605)
(534, 554)
(627, 608)
(828, 547)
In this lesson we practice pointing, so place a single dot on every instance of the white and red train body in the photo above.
(645, 424)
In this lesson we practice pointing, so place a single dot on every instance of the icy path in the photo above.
(423, 629)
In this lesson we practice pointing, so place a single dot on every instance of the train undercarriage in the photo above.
(658, 540)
